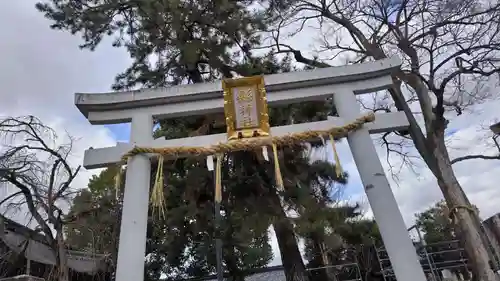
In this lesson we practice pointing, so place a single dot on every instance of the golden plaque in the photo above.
(245, 107)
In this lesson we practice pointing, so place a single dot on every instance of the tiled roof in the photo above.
(276, 275)
(273, 273)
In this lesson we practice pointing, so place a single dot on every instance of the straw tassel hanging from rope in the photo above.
(157, 195)
(338, 167)
(277, 170)
(118, 181)
(218, 178)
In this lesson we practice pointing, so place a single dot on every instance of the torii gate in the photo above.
(343, 83)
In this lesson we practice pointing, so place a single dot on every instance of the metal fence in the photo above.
(434, 258)
(340, 272)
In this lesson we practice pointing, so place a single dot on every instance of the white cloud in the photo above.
(40, 71)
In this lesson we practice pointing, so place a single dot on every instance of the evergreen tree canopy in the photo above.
(176, 42)
(436, 224)
(171, 42)
(96, 231)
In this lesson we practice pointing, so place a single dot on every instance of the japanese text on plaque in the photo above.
(245, 105)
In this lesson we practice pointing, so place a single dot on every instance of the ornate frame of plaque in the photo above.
(245, 107)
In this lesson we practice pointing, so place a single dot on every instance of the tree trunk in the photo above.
(369, 266)
(289, 249)
(434, 152)
(330, 271)
(234, 272)
(466, 220)
(61, 259)
(229, 255)
(290, 254)
(319, 259)
(283, 228)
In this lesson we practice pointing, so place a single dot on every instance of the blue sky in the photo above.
(120, 132)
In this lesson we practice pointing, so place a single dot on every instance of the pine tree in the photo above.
(176, 42)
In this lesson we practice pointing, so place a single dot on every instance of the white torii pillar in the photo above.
(140, 107)
(400, 248)
(134, 223)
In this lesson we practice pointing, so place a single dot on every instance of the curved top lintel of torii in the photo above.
(203, 98)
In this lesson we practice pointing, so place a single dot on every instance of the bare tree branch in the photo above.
(39, 169)
(450, 56)
(475, 156)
